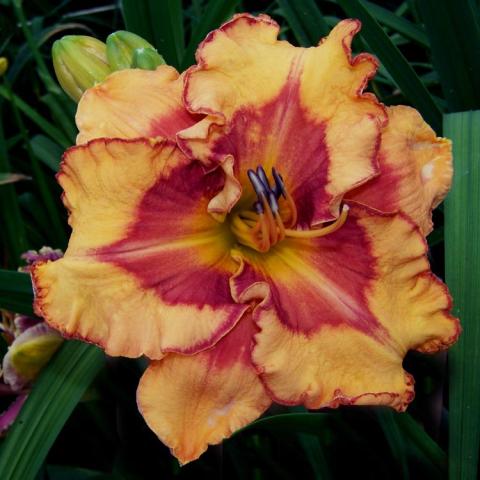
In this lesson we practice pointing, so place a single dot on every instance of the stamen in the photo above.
(273, 202)
(257, 184)
(272, 228)
(264, 225)
(279, 185)
(293, 210)
(281, 226)
(320, 232)
(263, 177)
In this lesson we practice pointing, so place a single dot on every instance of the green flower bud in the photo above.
(80, 62)
(3, 65)
(121, 47)
(147, 59)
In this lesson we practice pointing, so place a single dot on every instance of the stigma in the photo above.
(273, 215)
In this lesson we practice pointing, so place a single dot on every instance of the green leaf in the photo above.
(396, 64)
(58, 232)
(35, 117)
(47, 151)
(33, 45)
(159, 22)
(306, 21)
(13, 229)
(454, 33)
(312, 423)
(418, 438)
(398, 24)
(58, 472)
(55, 394)
(7, 178)
(214, 13)
(462, 269)
(16, 292)
(15, 282)
(394, 437)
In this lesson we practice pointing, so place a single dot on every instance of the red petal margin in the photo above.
(415, 169)
(147, 268)
(191, 402)
(337, 314)
(134, 103)
(301, 110)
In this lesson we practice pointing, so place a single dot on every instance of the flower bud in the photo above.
(80, 62)
(147, 59)
(121, 48)
(3, 65)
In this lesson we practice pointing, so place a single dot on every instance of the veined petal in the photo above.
(147, 269)
(415, 169)
(272, 104)
(134, 103)
(337, 314)
(191, 402)
(28, 354)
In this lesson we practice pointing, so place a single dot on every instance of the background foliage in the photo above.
(81, 421)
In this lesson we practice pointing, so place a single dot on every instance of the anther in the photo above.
(272, 200)
(263, 177)
(279, 185)
(258, 207)
(257, 184)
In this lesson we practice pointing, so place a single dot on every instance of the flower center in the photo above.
(273, 215)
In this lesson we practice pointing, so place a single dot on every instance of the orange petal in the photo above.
(191, 402)
(147, 269)
(338, 313)
(415, 169)
(134, 103)
(272, 104)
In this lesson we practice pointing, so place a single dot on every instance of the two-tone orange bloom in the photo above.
(256, 228)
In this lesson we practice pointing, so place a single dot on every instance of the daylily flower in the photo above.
(231, 257)
(31, 344)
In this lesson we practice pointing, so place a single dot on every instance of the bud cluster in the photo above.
(80, 61)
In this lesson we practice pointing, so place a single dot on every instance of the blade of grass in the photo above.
(398, 24)
(454, 33)
(306, 21)
(33, 46)
(13, 228)
(55, 394)
(49, 152)
(59, 236)
(312, 423)
(394, 439)
(462, 269)
(12, 281)
(418, 438)
(396, 64)
(16, 292)
(161, 23)
(213, 14)
(316, 456)
(35, 117)
(136, 16)
(14, 302)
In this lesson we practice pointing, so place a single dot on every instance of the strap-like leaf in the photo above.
(306, 21)
(462, 268)
(51, 401)
(214, 13)
(454, 32)
(396, 64)
(159, 22)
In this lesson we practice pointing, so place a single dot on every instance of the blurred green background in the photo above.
(81, 420)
